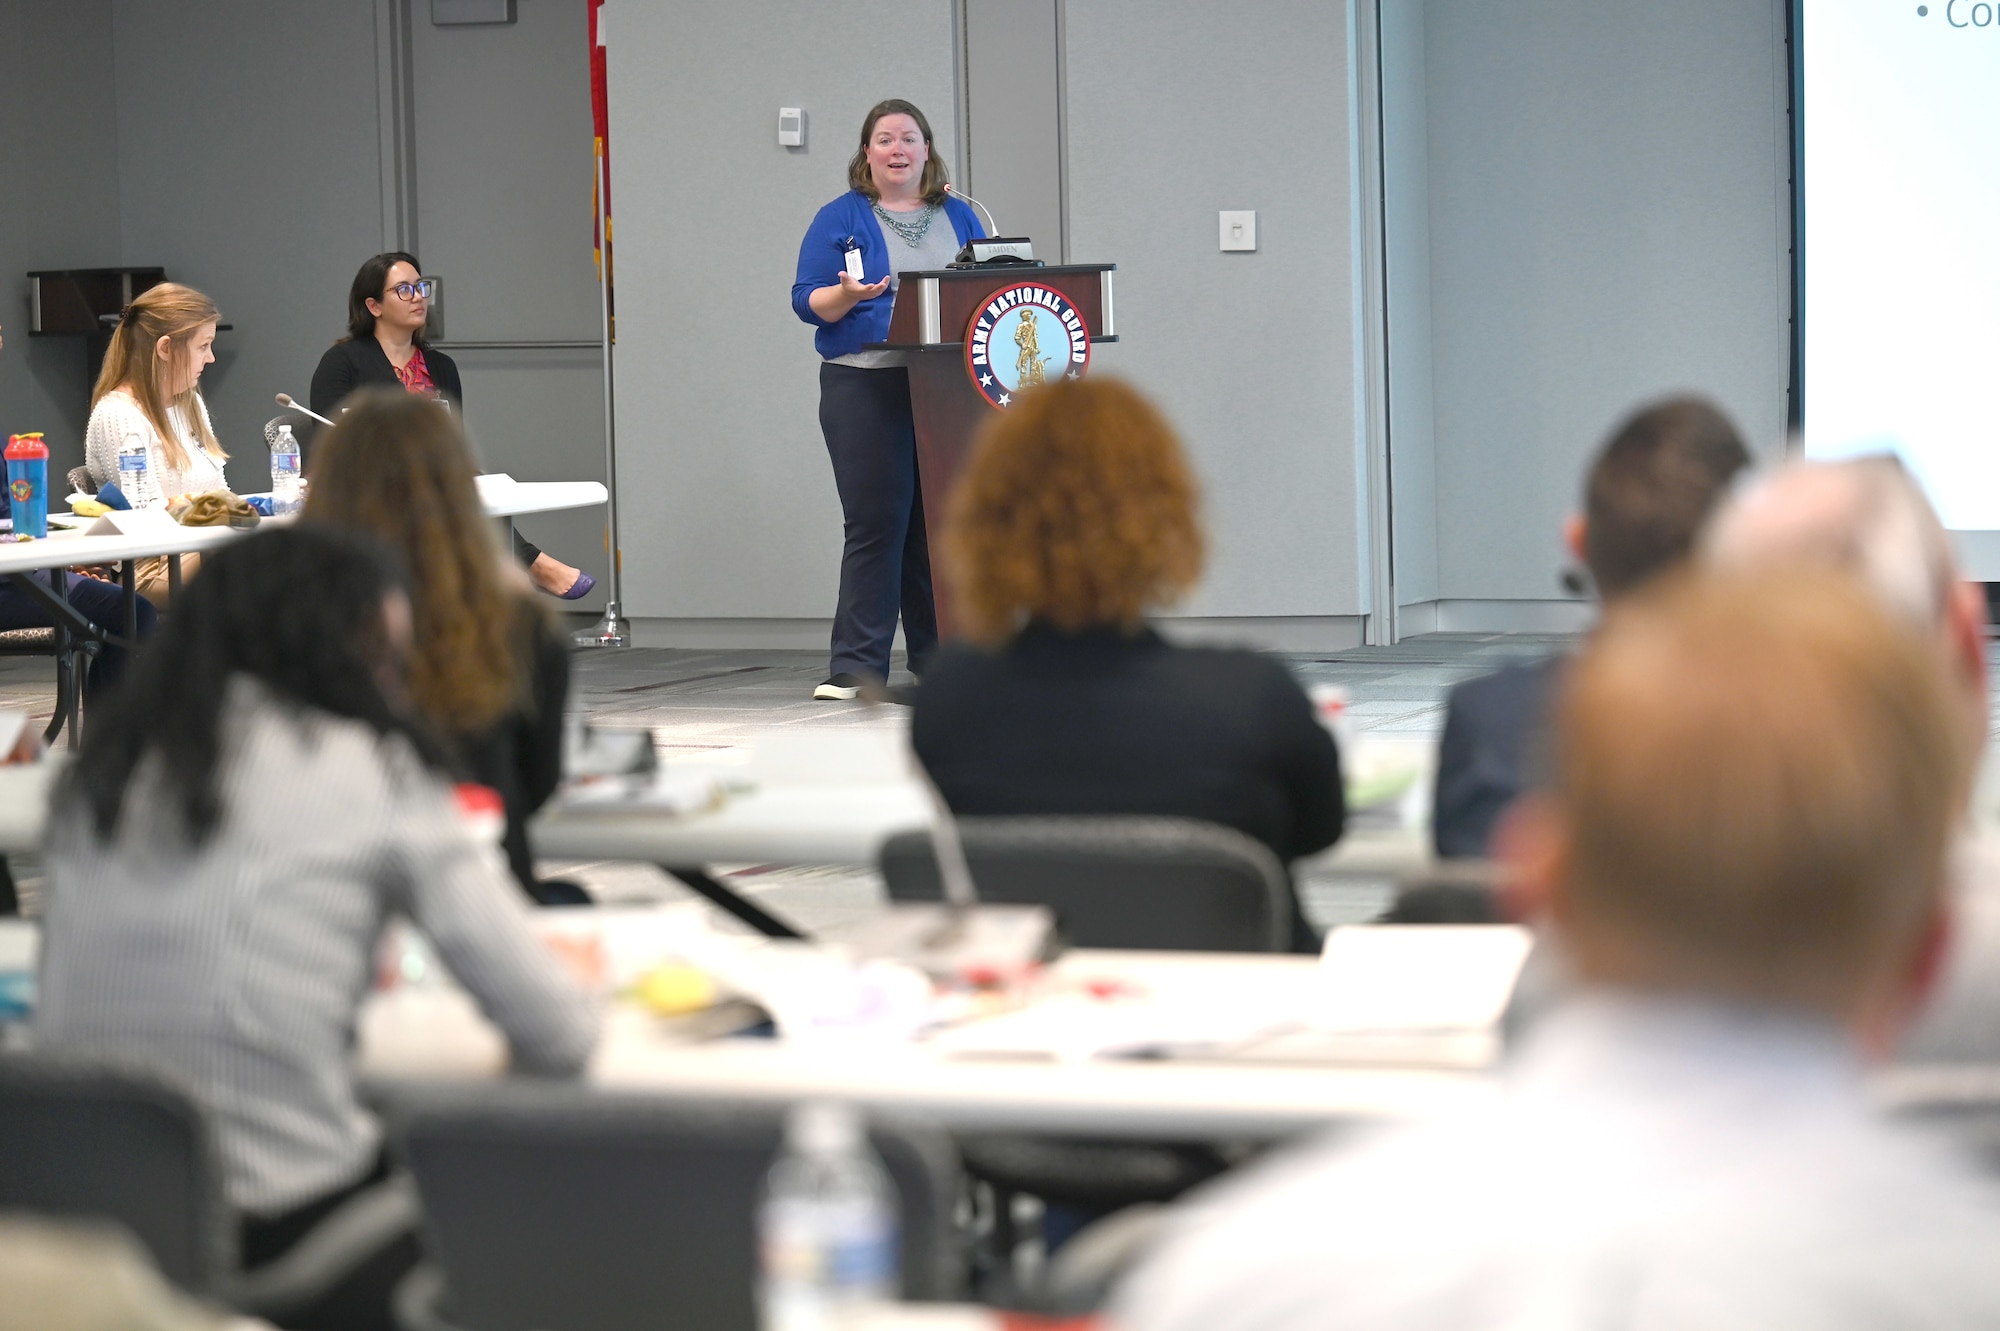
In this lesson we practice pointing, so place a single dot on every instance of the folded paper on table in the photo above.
(135, 522)
(1417, 977)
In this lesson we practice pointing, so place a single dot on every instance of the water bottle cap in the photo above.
(284, 431)
(26, 447)
(823, 1127)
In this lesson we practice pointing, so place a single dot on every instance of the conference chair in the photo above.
(1167, 884)
(566, 1209)
(90, 1140)
(71, 656)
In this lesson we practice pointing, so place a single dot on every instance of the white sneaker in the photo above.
(841, 688)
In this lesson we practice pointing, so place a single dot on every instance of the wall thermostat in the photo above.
(1239, 231)
(791, 127)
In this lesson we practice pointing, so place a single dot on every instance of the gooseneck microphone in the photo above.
(992, 227)
(285, 400)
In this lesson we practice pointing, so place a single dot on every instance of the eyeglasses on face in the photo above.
(423, 287)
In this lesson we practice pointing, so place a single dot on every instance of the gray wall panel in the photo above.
(249, 167)
(1014, 129)
(540, 416)
(1607, 214)
(59, 159)
(1178, 109)
(503, 193)
(727, 500)
(503, 151)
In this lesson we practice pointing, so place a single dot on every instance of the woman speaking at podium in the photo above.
(895, 217)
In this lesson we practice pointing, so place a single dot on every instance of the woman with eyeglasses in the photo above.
(387, 308)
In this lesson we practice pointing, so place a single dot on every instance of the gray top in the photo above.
(1650, 1165)
(237, 969)
(938, 246)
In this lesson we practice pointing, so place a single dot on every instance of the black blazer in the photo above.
(1105, 722)
(1493, 729)
(360, 362)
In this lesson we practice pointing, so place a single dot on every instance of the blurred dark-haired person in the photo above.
(1742, 844)
(896, 216)
(1075, 515)
(388, 304)
(226, 849)
(1652, 486)
(486, 669)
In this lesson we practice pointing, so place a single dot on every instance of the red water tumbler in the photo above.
(28, 484)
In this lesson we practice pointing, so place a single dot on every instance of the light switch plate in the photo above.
(1239, 230)
(791, 127)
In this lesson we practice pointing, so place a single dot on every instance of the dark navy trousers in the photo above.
(102, 602)
(885, 565)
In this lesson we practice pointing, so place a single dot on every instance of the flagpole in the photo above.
(613, 630)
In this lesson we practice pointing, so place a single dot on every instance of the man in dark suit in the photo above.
(1653, 484)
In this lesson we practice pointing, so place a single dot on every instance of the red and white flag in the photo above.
(600, 120)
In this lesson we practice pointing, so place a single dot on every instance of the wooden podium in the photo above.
(931, 320)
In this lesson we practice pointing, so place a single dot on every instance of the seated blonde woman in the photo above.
(486, 670)
(1077, 514)
(149, 429)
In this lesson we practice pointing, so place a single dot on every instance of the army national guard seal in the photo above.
(1024, 335)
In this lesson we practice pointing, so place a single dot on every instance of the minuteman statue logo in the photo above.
(1024, 335)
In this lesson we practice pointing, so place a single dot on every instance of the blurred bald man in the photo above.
(1868, 517)
(1754, 780)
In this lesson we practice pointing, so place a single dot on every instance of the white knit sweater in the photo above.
(117, 418)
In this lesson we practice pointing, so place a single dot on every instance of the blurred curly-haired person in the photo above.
(1075, 515)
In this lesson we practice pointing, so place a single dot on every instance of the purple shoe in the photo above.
(580, 588)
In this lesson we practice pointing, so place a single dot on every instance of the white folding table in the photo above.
(502, 497)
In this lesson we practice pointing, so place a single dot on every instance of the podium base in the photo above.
(611, 631)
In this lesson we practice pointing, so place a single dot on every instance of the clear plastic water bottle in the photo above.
(135, 473)
(827, 1230)
(285, 472)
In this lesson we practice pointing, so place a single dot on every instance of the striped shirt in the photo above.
(237, 968)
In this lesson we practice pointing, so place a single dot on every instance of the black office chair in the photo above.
(558, 1207)
(1169, 884)
(89, 1139)
(72, 658)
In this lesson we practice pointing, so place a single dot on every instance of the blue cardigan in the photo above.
(823, 255)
